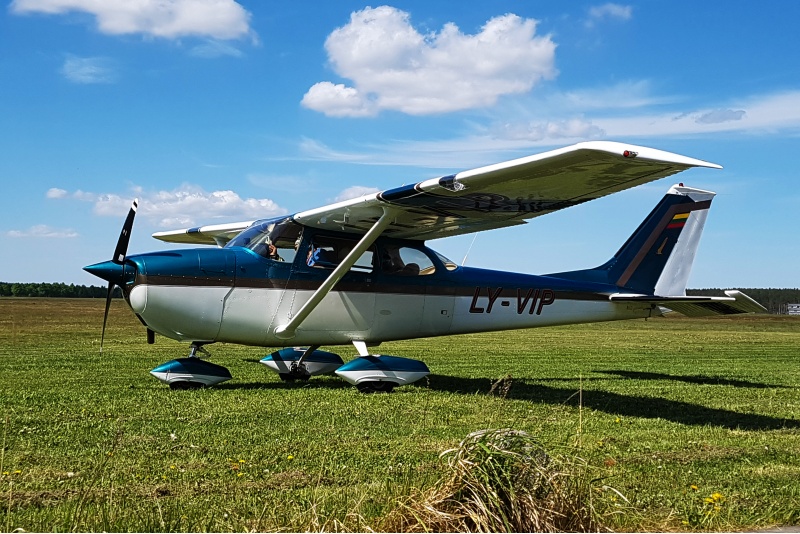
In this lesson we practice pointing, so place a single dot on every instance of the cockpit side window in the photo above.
(275, 240)
(450, 265)
(398, 260)
(327, 252)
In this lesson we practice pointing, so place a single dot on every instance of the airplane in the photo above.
(359, 272)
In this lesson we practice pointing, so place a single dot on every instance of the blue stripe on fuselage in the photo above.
(243, 268)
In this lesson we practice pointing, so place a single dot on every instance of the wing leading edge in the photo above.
(211, 234)
(495, 196)
(504, 194)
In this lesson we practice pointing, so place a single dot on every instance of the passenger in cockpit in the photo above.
(273, 254)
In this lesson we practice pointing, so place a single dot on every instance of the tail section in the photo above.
(657, 258)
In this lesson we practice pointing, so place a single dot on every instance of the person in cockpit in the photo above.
(272, 253)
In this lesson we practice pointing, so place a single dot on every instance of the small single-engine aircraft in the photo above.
(358, 272)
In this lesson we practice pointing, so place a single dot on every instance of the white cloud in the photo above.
(213, 49)
(756, 115)
(336, 100)
(623, 95)
(42, 231)
(313, 149)
(609, 11)
(394, 67)
(88, 70)
(721, 115)
(550, 130)
(171, 19)
(185, 206)
(55, 192)
(355, 192)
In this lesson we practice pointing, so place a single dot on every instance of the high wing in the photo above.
(212, 234)
(496, 196)
(504, 194)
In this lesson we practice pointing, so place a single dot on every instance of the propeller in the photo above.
(114, 270)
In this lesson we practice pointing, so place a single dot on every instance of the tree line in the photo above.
(60, 290)
(774, 299)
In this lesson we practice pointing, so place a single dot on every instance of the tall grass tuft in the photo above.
(503, 481)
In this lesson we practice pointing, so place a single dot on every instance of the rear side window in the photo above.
(405, 261)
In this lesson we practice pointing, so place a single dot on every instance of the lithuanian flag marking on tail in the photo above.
(678, 220)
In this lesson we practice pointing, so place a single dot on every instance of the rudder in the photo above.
(657, 258)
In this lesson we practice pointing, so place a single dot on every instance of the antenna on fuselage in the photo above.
(469, 249)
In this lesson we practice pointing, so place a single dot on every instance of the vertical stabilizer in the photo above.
(676, 272)
(657, 258)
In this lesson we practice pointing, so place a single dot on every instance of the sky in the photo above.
(213, 111)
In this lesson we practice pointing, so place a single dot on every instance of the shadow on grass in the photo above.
(618, 404)
(314, 383)
(699, 379)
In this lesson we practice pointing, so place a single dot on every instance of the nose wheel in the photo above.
(191, 372)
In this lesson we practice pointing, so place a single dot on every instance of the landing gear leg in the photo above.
(298, 370)
(197, 347)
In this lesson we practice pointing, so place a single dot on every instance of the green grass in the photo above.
(695, 424)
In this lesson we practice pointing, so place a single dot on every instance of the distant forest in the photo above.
(774, 299)
(8, 289)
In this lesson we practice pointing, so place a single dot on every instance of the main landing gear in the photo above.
(370, 373)
(191, 372)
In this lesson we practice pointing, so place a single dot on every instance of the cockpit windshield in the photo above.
(275, 239)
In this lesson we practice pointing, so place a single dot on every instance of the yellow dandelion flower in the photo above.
(239, 474)
(290, 457)
(241, 461)
(694, 487)
(172, 467)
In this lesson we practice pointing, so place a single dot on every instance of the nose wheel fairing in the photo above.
(185, 373)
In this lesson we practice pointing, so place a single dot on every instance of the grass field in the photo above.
(681, 424)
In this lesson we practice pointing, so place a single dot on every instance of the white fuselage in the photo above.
(250, 316)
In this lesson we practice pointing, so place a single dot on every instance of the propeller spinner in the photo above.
(114, 271)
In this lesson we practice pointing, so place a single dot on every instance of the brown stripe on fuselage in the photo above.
(511, 293)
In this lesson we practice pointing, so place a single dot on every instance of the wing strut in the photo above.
(287, 331)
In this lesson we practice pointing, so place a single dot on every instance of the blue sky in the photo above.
(215, 111)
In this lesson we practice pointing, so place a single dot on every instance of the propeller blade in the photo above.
(125, 236)
(118, 258)
(105, 315)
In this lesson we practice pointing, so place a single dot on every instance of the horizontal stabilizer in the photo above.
(691, 306)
